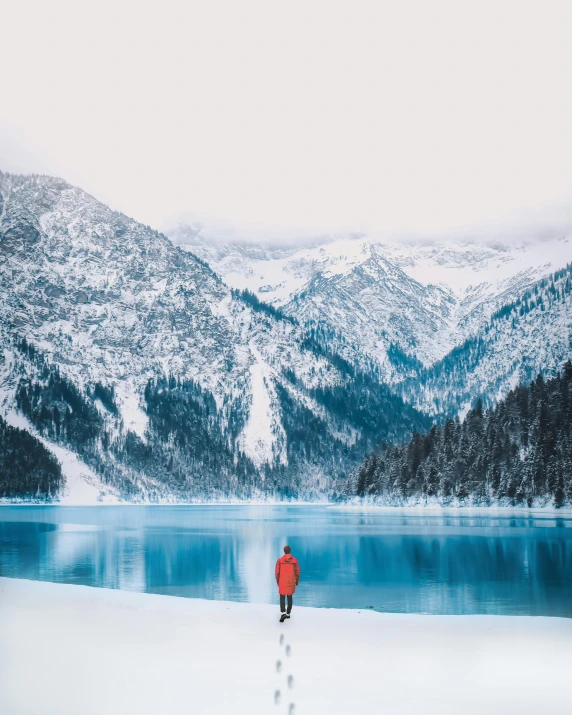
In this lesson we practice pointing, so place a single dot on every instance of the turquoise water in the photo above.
(391, 560)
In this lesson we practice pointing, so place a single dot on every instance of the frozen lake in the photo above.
(389, 560)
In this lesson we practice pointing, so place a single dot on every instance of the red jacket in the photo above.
(287, 574)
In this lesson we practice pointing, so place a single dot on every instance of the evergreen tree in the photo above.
(518, 452)
(27, 469)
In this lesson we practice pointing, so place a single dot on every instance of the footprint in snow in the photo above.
(289, 680)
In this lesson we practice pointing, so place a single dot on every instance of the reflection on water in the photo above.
(387, 560)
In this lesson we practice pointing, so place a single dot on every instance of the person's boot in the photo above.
(283, 617)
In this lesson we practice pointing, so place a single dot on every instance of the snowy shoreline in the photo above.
(68, 649)
(547, 510)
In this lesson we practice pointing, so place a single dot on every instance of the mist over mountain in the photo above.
(530, 225)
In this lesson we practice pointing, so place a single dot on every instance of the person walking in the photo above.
(287, 573)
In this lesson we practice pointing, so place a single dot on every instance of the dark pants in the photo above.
(283, 603)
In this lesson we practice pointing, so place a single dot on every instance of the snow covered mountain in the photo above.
(527, 336)
(404, 307)
(136, 355)
(149, 375)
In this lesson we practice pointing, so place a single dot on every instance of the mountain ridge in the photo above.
(398, 305)
(170, 383)
(101, 300)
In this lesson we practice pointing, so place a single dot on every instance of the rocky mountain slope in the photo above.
(527, 336)
(166, 380)
(135, 354)
(407, 308)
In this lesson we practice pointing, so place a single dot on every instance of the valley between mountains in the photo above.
(181, 368)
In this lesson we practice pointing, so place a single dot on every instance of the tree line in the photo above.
(518, 452)
(27, 469)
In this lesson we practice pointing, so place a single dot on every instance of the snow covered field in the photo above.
(66, 650)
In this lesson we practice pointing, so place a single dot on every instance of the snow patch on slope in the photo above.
(263, 439)
(132, 414)
(465, 266)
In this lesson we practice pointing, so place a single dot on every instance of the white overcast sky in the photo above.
(391, 116)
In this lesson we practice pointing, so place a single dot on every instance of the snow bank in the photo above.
(455, 509)
(73, 649)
